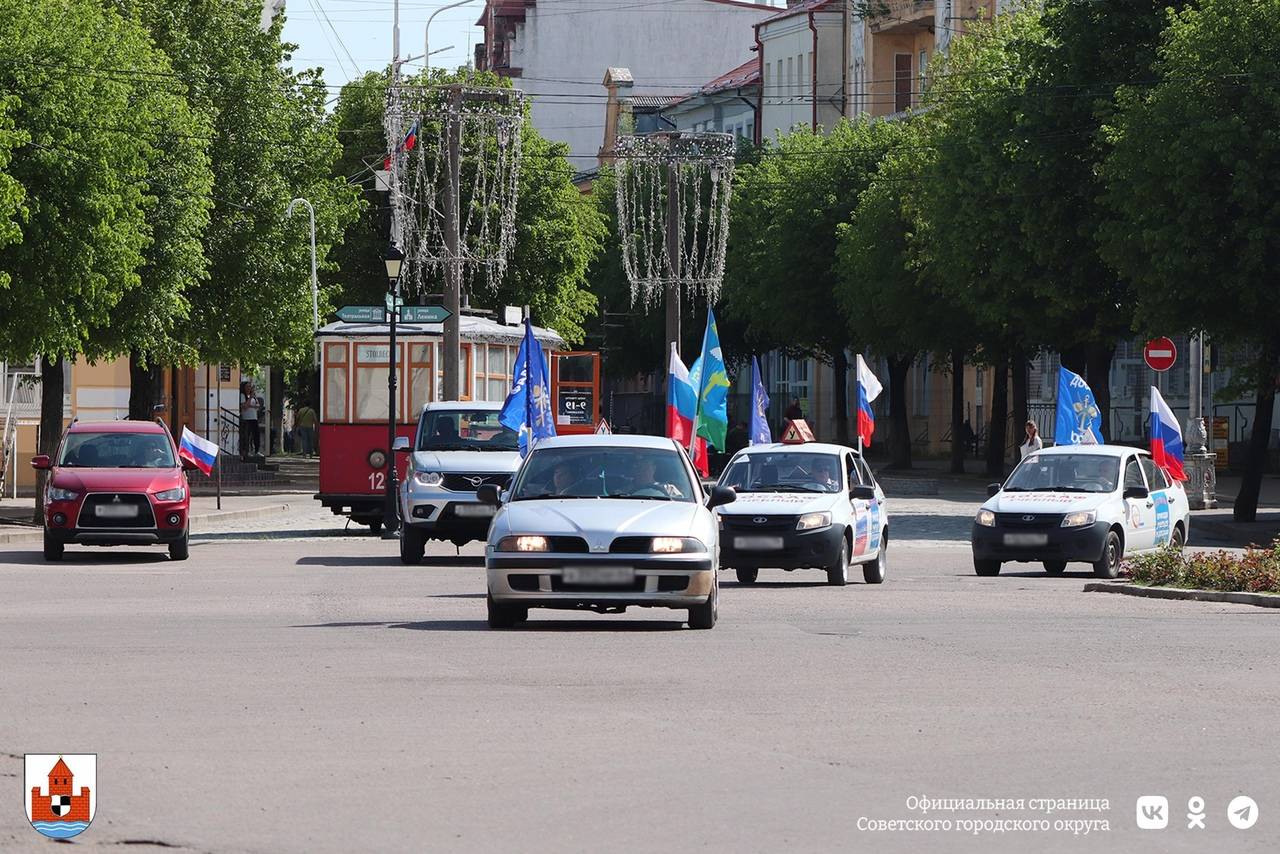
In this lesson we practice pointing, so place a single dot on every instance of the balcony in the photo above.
(900, 16)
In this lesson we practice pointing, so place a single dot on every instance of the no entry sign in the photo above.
(1160, 354)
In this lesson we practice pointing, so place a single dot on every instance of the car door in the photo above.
(875, 507)
(1139, 513)
(859, 509)
(1166, 500)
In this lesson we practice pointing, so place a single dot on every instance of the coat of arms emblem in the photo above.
(62, 792)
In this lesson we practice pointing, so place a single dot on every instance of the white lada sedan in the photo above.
(603, 522)
(1088, 503)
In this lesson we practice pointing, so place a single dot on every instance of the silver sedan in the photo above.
(604, 523)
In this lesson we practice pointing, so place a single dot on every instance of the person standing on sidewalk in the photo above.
(1032, 442)
(305, 424)
(248, 420)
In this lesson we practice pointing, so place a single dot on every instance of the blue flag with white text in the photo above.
(760, 433)
(527, 409)
(1079, 420)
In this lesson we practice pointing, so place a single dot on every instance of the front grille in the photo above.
(758, 524)
(631, 545)
(1029, 520)
(470, 482)
(90, 518)
(568, 545)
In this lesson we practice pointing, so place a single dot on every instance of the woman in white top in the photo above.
(1032, 443)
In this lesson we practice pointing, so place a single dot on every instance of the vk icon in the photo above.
(1153, 812)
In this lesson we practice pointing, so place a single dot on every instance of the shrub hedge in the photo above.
(1256, 571)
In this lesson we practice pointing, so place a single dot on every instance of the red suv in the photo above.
(116, 483)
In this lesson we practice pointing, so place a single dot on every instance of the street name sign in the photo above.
(424, 314)
(362, 314)
(1160, 354)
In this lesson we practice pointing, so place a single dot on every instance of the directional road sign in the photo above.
(393, 302)
(362, 314)
(424, 314)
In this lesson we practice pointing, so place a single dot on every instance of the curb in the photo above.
(1262, 600)
(32, 535)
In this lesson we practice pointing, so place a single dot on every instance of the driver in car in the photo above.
(563, 477)
(644, 476)
(824, 473)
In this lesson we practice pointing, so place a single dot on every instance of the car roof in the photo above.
(802, 447)
(464, 406)
(607, 440)
(1091, 450)
(118, 427)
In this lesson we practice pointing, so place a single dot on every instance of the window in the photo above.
(800, 72)
(924, 67)
(865, 470)
(851, 470)
(497, 377)
(1155, 476)
(1133, 475)
(370, 386)
(791, 75)
(335, 382)
(421, 360)
(902, 82)
(464, 374)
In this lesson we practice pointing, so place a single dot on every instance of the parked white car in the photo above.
(1088, 503)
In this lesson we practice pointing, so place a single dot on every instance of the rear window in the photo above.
(117, 450)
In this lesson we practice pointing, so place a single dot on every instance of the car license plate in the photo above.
(758, 544)
(1026, 539)
(472, 510)
(117, 511)
(602, 576)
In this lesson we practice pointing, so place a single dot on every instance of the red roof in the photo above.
(744, 75)
(117, 427)
(60, 769)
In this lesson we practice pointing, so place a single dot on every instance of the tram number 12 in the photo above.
(377, 480)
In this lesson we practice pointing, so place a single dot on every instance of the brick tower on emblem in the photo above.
(63, 797)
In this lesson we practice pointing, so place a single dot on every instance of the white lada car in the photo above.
(803, 505)
(1088, 503)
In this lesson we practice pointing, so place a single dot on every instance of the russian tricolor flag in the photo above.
(869, 389)
(199, 450)
(406, 145)
(1166, 438)
(682, 404)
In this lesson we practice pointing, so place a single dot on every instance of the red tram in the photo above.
(354, 360)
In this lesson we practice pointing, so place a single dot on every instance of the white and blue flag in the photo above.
(1079, 420)
(760, 433)
(527, 409)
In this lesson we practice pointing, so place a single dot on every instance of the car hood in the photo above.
(600, 520)
(789, 503)
(1045, 502)
(480, 462)
(112, 479)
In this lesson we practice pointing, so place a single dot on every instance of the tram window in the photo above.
(499, 376)
(335, 382)
(371, 382)
(420, 363)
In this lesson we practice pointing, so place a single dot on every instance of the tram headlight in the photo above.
(377, 459)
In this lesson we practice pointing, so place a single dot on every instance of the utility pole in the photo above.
(1198, 460)
(393, 124)
(452, 261)
(673, 257)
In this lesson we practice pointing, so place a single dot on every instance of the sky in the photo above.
(355, 37)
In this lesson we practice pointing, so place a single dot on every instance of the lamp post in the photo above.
(426, 37)
(315, 283)
(394, 260)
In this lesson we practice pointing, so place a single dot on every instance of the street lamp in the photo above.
(426, 37)
(315, 283)
(394, 260)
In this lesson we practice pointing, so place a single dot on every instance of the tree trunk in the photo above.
(996, 435)
(145, 388)
(957, 412)
(840, 377)
(1246, 506)
(51, 390)
(275, 425)
(1018, 364)
(899, 427)
(1098, 366)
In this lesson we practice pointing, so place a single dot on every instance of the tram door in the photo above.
(575, 389)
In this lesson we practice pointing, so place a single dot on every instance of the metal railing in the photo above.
(23, 397)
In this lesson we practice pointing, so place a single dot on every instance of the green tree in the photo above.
(1192, 181)
(12, 194)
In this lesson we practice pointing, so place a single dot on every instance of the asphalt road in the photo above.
(311, 694)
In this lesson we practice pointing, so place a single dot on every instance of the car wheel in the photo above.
(375, 526)
(1055, 567)
(747, 576)
(52, 549)
(874, 572)
(986, 567)
(1177, 539)
(413, 544)
(704, 616)
(838, 572)
(181, 549)
(1109, 565)
(505, 616)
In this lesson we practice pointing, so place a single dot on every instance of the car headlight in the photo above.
(427, 478)
(1080, 519)
(813, 521)
(176, 494)
(377, 459)
(674, 545)
(985, 518)
(57, 494)
(524, 543)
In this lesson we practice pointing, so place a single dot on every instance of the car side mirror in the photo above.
(41, 462)
(993, 489)
(721, 495)
(490, 493)
(401, 444)
(862, 492)
(1138, 492)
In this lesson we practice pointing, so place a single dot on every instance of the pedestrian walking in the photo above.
(305, 428)
(1032, 442)
(250, 405)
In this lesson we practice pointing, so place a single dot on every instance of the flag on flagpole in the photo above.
(527, 409)
(682, 403)
(713, 388)
(198, 450)
(1078, 421)
(1166, 438)
(406, 145)
(869, 389)
(760, 433)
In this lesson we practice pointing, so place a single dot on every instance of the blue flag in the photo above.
(760, 434)
(712, 384)
(527, 409)
(1079, 420)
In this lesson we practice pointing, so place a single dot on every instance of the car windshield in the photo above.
(784, 472)
(464, 430)
(610, 472)
(117, 451)
(1065, 473)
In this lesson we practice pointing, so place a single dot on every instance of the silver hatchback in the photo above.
(604, 523)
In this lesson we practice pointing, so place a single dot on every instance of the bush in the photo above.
(1256, 571)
